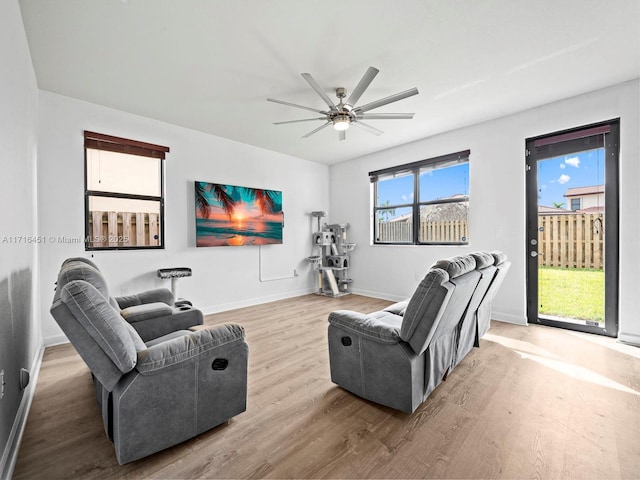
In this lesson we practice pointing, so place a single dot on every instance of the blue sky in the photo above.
(443, 182)
(556, 175)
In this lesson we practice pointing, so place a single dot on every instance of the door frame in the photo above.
(611, 143)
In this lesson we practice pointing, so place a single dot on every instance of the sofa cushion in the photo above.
(150, 296)
(456, 266)
(172, 335)
(383, 327)
(103, 323)
(424, 309)
(81, 269)
(138, 313)
(397, 308)
(138, 343)
(483, 259)
(499, 257)
(80, 259)
(77, 270)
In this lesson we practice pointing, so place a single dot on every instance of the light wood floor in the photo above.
(531, 402)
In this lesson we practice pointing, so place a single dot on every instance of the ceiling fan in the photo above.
(343, 114)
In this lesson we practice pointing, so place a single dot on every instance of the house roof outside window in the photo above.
(581, 191)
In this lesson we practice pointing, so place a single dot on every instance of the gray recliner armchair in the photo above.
(153, 313)
(398, 356)
(157, 394)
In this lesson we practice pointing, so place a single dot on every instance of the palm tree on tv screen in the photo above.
(265, 199)
(219, 192)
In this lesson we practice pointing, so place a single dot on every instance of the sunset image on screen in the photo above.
(229, 215)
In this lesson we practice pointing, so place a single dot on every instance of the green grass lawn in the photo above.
(571, 293)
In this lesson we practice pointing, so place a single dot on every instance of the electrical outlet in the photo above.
(25, 377)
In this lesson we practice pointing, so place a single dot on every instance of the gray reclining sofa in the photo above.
(398, 356)
(156, 394)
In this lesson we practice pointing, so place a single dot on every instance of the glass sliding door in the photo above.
(572, 229)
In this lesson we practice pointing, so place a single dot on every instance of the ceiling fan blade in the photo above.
(368, 128)
(316, 130)
(294, 105)
(319, 91)
(385, 116)
(364, 82)
(298, 121)
(386, 100)
(342, 135)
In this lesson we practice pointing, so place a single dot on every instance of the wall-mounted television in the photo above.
(230, 215)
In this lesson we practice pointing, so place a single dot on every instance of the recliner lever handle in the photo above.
(220, 364)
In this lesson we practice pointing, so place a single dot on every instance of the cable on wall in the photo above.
(262, 279)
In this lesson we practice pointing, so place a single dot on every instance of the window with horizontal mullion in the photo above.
(97, 193)
(444, 223)
(394, 207)
(124, 193)
(394, 225)
(444, 202)
(422, 203)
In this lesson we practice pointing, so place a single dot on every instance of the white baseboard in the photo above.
(250, 302)
(630, 338)
(10, 454)
(508, 318)
(55, 340)
(380, 295)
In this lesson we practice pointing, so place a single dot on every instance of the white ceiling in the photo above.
(209, 65)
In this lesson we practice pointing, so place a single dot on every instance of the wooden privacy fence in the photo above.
(444, 231)
(123, 229)
(574, 240)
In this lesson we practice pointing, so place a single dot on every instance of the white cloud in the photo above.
(405, 198)
(573, 161)
(563, 166)
(563, 179)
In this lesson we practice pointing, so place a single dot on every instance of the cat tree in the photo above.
(333, 262)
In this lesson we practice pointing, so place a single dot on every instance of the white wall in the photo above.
(223, 277)
(497, 208)
(20, 339)
(589, 201)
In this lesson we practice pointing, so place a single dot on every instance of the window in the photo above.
(575, 204)
(124, 193)
(422, 203)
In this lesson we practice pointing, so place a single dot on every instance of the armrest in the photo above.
(398, 308)
(163, 295)
(137, 313)
(371, 327)
(188, 348)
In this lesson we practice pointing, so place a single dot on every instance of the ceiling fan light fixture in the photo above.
(342, 114)
(341, 122)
